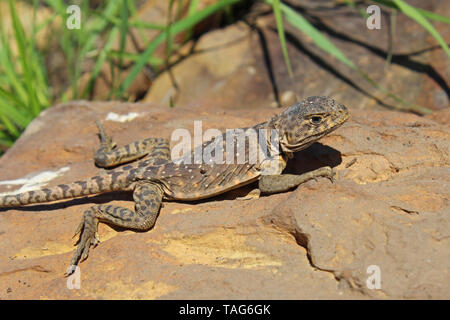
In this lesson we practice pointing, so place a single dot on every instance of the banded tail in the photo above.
(109, 181)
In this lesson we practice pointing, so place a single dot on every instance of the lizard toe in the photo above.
(79, 229)
(85, 253)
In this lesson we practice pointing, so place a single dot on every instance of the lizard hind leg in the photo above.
(147, 198)
(107, 155)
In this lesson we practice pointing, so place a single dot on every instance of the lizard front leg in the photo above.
(285, 182)
(147, 198)
(108, 155)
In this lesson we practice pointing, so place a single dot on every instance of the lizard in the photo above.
(155, 177)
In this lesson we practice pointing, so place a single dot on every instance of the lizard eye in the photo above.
(316, 119)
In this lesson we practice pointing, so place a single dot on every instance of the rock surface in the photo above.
(388, 207)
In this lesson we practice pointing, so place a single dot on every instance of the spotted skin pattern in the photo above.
(155, 177)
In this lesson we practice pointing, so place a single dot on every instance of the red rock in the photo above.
(389, 208)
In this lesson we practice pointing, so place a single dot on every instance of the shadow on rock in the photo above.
(312, 158)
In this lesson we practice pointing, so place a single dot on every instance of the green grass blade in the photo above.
(407, 106)
(147, 25)
(9, 126)
(134, 16)
(392, 25)
(154, 61)
(414, 14)
(169, 36)
(5, 138)
(37, 70)
(193, 5)
(9, 110)
(177, 27)
(425, 13)
(124, 15)
(101, 59)
(322, 42)
(280, 28)
(5, 142)
(353, 5)
(7, 67)
(9, 100)
(84, 40)
(298, 21)
(24, 58)
(434, 16)
(132, 23)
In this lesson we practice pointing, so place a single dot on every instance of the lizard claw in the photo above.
(70, 270)
(332, 175)
(88, 237)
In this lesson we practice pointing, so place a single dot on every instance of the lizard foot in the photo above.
(326, 172)
(88, 237)
(284, 182)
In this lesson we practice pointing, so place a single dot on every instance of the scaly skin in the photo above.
(157, 177)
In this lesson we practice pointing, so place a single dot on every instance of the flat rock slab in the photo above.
(386, 215)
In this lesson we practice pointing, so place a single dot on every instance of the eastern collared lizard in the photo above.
(157, 178)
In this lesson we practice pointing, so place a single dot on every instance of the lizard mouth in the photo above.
(290, 148)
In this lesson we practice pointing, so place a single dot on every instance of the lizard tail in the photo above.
(110, 181)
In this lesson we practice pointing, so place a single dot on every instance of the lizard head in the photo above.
(306, 122)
